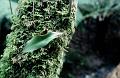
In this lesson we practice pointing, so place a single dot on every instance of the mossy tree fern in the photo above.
(36, 17)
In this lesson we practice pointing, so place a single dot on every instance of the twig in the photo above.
(33, 11)
(10, 7)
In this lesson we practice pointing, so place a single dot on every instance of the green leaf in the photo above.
(40, 41)
(5, 8)
(95, 8)
(86, 8)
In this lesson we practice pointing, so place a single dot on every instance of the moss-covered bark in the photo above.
(32, 19)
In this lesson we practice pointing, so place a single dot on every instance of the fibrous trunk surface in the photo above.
(35, 17)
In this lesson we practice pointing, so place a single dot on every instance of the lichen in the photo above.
(33, 17)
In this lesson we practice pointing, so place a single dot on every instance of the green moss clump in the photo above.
(32, 19)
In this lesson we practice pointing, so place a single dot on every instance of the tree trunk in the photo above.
(35, 17)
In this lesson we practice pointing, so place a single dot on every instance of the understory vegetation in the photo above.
(59, 38)
(36, 18)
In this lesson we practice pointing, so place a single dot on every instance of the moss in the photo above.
(32, 19)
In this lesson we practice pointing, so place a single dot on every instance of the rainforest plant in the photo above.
(93, 8)
(96, 22)
(40, 34)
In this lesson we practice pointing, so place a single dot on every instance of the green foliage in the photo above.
(40, 41)
(94, 8)
(33, 17)
(86, 8)
(15, 1)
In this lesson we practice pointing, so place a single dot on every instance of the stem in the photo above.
(10, 7)
(33, 11)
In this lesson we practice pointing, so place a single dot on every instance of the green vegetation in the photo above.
(95, 8)
(40, 41)
(34, 16)
(42, 30)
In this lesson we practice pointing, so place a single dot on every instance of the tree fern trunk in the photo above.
(35, 16)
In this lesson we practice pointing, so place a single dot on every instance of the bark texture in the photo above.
(34, 18)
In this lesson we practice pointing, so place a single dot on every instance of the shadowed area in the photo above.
(94, 49)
